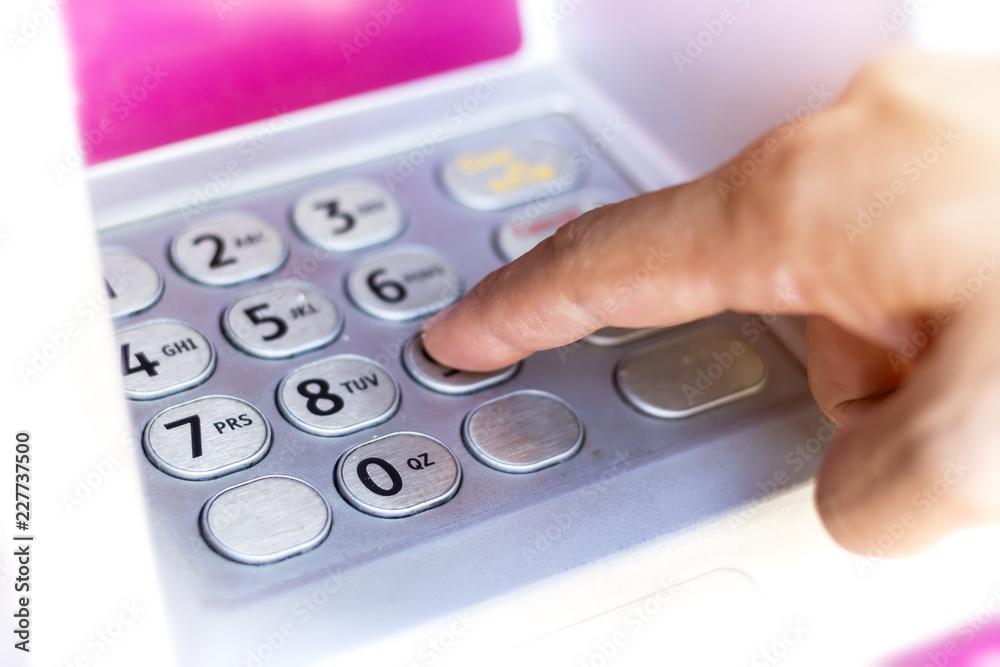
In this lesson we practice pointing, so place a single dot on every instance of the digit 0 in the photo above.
(371, 484)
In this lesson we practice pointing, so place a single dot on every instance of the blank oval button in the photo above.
(523, 432)
(265, 520)
(681, 377)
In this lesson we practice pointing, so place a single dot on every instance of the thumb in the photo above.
(926, 461)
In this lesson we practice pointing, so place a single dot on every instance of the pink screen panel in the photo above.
(152, 72)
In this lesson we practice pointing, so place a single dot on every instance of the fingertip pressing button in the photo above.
(680, 377)
(444, 380)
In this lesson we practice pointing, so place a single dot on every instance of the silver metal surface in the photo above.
(445, 380)
(348, 216)
(265, 520)
(523, 432)
(229, 250)
(680, 377)
(404, 284)
(338, 395)
(614, 336)
(508, 174)
(207, 438)
(282, 320)
(526, 229)
(133, 283)
(409, 472)
(163, 357)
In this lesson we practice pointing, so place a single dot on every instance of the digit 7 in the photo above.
(194, 421)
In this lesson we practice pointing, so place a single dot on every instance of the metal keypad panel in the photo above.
(398, 475)
(347, 217)
(523, 432)
(404, 284)
(508, 174)
(229, 250)
(282, 320)
(163, 357)
(265, 520)
(207, 438)
(338, 396)
(681, 377)
(444, 380)
(322, 349)
(133, 284)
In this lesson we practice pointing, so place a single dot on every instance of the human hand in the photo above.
(881, 216)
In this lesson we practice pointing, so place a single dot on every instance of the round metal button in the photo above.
(338, 395)
(510, 174)
(229, 250)
(133, 284)
(614, 336)
(680, 377)
(404, 284)
(347, 217)
(265, 520)
(282, 320)
(526, 229)
(207, 438)
(444, 380)
(163, 357)
(398, 475)
(523, 432)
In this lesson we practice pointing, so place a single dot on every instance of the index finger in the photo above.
(662, 258)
